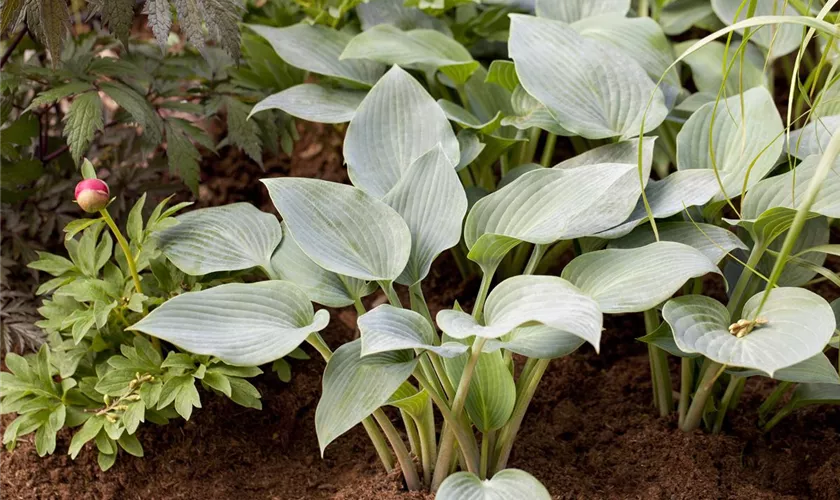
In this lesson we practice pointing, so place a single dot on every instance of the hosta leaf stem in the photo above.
(695, 412)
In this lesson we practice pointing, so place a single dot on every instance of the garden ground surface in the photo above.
(591, 431)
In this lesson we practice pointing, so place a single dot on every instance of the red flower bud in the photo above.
(92, 195)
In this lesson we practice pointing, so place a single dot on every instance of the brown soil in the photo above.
(591, 431)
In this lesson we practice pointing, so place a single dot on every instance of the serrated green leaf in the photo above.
(54, 94)
(138, 107)
(83, 120)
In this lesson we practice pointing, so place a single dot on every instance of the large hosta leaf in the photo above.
(637, 279)
(432, 201)
(707, 67)
(570, 11)
(580, 197)
(799, 324)
(314, 103)
(537, 341)
(243, 324)
(590, 88)
(813, 137)
(516, 301)
(745, 142)
(817, 369)
(317, 49)
(342, 228)
(814, 233)
(376, 12)
(355, 386)
(388, 328)
(421, 48)
(505, 485)
(226, 238)
(397, 122)
(290, 263)
(781, 39)
(492, 392)
(787, 190)
(639, 38)
(669, 196)
(712, 241)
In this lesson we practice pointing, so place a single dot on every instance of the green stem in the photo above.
(731, 389)
(462, 95)
(661, 375)
(536, 255)
(448, 439)
(485, 454)
(436, 372)
(548, 150)
(686, 386)
(129, 257)
(428, 445)
(412, 433)
(784, 412)
(483, 289)
(373, 432)
(360, 308)
(772, 400)
(412, 480)
(388, 288)
(530, 148)
(527, 385)
(698, 405)
(738, 297)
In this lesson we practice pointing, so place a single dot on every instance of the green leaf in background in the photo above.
(779, 191)
(82, 121)
(712, 241)
(678, 16)
(431, 200)
(570, 74)
(813, 137)
(505, 484)
(324, 287)
(420, 48)
(314, 103)
(181, 154)
(745, 142)
(397, 122)
(817, 369)
(810, 394)
(814, 233)
(227, 238)
(138, 107)
(780, 39)
(637, 279)
(797, 324)
(516, 301)
(355, 386)
(342, 228)
(375, 12)
(492, 393)
(241, 324)
(570, 11)
(317, 49)
(707, 67)
(387, 328)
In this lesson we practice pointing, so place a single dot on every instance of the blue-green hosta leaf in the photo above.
(589, 87)
(779, 191)
(669, 196)
(636, 279)
(663, 338)
(739, 138)
(241, 324)
(817, 369)
(314, 103)
(342, 228)
(679, 16)
(811, 394)
(570, 11)
(712, 241)
(781, 39)
(466, 119)
(505, 485)
(388, 328)
(529, 112)
(227, 238)
(503, 74)
(355, 386)
(799, 324)
(470, 147)
(397, 122)
(771, 224)
(639, 38)
(290, 263)
(813, 137)
(419, 48)
(815, 232)
(492, 393)
(537, 341)
(707, 65)
(317, 49)
(516, 301)
(376, 12)
(574, 199)
(410, 400)
(431, 200)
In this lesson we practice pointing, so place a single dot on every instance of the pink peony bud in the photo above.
(92, 195)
